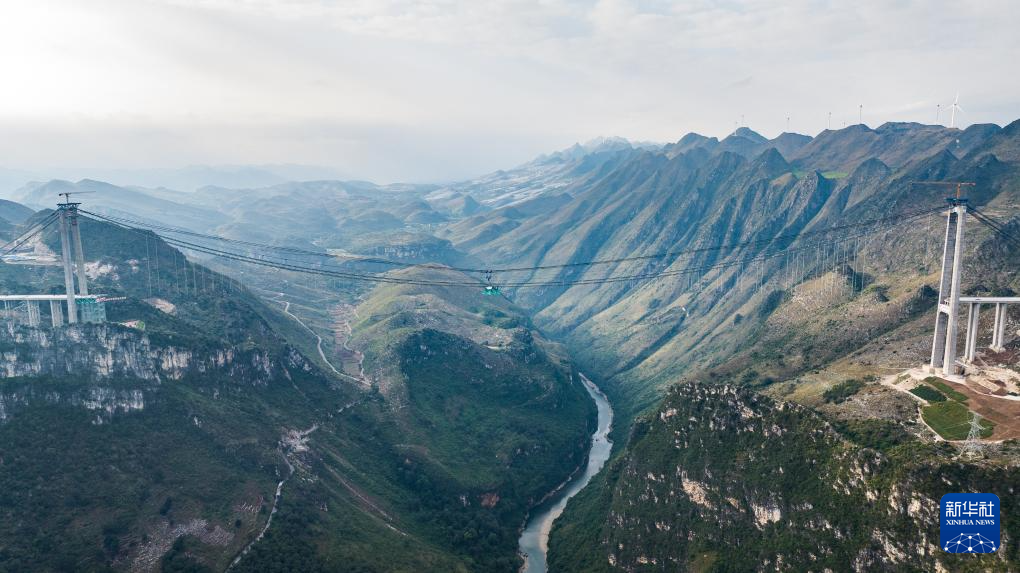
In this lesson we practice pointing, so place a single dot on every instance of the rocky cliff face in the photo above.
(675, 207)
(169, 443)
(116, 367)
(720, 478)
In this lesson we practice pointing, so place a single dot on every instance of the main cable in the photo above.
(994, 225)
(291, 266)
(286, 264)
(668, 254)
(24, 237)
(293, 250)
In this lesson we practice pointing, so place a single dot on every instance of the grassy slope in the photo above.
(447, 458)
(484, 411)
(952, 420)
(207, 442)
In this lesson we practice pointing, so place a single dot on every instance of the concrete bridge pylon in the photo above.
(943, 352)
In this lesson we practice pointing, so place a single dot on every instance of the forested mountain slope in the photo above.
(14, 212)
(168, 438)
(697, 195)
(807, 441)
(720, 478)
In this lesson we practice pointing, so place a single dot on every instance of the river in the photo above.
(534, 542)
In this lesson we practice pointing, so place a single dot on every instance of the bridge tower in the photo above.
(79, 253)
(943, 351)
(65, 257)
(71, 232)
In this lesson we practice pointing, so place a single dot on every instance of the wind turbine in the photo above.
(938, 112)
(828, 122)
(860, 114)
(956, 107)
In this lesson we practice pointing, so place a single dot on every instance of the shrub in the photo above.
(842, 391)
(946, 389)
(928, 393)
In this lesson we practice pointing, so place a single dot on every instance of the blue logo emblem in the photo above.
(970, 523)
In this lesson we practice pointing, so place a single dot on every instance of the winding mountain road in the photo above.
(286, 310)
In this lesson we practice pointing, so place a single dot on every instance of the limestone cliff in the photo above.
(116, 367)
(723, 479)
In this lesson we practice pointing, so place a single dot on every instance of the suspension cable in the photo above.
(485, 271)
(23, 238)
(995, 226)
(289, 265)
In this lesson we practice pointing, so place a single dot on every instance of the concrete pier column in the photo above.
(949, 362)
(999, 331)
(56, 314)
(79, 253)
(973, 319)
(943, 351)
(65, 256)
(966, 338)
(1002, 326)
(33, 313)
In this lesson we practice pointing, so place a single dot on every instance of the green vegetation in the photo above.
(704, 562)
(128, 474)
(946, 389)
(708, 463)
(440, 469)
(952, 420)
(928, 393)
(843, 391)
(499, 319)
(882, 435)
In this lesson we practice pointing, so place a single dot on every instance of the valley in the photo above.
(534, 542)
(334, 375)
(365, 466)
(604, 286)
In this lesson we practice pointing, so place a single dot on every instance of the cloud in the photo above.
(400, 89)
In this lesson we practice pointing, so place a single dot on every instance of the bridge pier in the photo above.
(56, 313)
(33, 313)
(999, 327)
(79, 253)
(92, 308)
(65, 256)
(943, 352)
(973, 319)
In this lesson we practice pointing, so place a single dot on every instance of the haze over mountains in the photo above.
(749, 305)
(187, 178)
(603, 200)
(701, 192)
(328, 287)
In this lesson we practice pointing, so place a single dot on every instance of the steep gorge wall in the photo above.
(114, 367)
(717, 468)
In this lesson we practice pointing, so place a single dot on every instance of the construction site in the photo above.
(76, 304)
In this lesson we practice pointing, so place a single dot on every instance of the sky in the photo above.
(401, 90)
